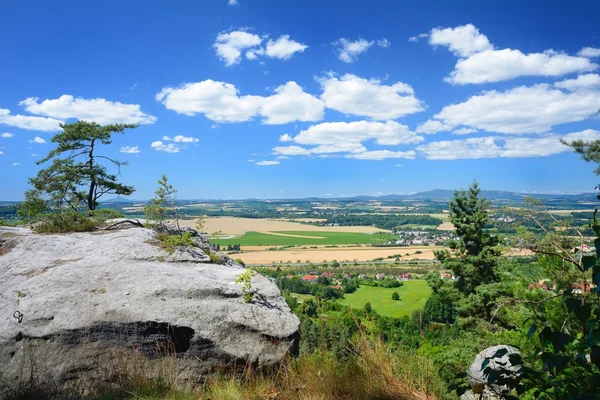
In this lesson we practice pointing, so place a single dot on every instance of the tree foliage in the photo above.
(475, 255)
(77, 176)
(162, 205)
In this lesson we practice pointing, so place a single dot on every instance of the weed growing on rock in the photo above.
(245, 280)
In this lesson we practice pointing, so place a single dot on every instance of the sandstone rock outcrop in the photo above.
(68, 300)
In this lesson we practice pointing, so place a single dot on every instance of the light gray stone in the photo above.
(478, 379)
(83, 295)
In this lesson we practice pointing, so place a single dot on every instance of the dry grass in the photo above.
(239, 226)
(373, 372)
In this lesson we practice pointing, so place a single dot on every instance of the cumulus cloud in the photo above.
(167, 148)
(15, 164)
(221, 102)
(494, 147)
(6, 135)
(28, 122)
(433, 126)
(290, 103)
(464, 131)
(1, 152)
(282, 48)
(181, 139)
(500, 65)
(582, 82)
(354, 95)
(589, 52)
(230, 45)
(37, 140)
(524, 109)
(415, 39)
(97, 110)
(285, 138)
(129, 150)
(346, 139)
(291, 151)
(348, 50)
(266, 163)
(232, 2)
(480, 62)
(463, 40)
(382, 154)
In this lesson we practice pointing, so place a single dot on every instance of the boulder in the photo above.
(68, 301)
(502, 363)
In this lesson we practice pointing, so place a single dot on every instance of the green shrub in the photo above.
(169, 242)
(65, 221)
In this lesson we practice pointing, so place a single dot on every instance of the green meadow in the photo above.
(413, 296)
(302, 238)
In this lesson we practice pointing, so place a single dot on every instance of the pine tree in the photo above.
(76, 178)
(475, 254)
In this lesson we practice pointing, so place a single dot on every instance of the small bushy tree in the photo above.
(162, 205)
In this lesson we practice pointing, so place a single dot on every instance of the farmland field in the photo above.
(239, 226)
(413, 296)
(302, 238)
(340, 254)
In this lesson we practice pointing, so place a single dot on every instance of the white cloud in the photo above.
(167, 148)
(6, 135)
(28, 122)
(499, 65)
(232, 2)
(37, 140)
(229, 45)
(1, 152)
(262, 163)
(181, 139)
(463, 40)
(533, 109)
(251, 160)
(129, 150)
(415, 39)
(348, 51)
(382, 154)
(291, 151)
(589, 52)
(433, 126)
(464, 131)
(98, 110)
(481, 63)
(494, 147)
(588, 81)
(388, 133)
(283, 48)
(346, 138)
(290, 103)
(398, 165)
(15, 164)
(221, 102)
(351, 94)
(285, 138)
(34, 155)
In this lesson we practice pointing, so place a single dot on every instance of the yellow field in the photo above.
(340, 254)
(239, 226)
(446, 226)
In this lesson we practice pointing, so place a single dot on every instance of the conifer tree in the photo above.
(76, 178)
(475, 255)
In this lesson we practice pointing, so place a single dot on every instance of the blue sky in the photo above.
(293, 98)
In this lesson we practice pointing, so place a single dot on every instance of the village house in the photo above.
(380, 276)
(310, 278)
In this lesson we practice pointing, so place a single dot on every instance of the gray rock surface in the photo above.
(84, 295)
(478, 379)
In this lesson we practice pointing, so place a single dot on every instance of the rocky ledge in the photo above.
(70, 300)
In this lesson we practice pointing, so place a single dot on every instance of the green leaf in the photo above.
(531, 330)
